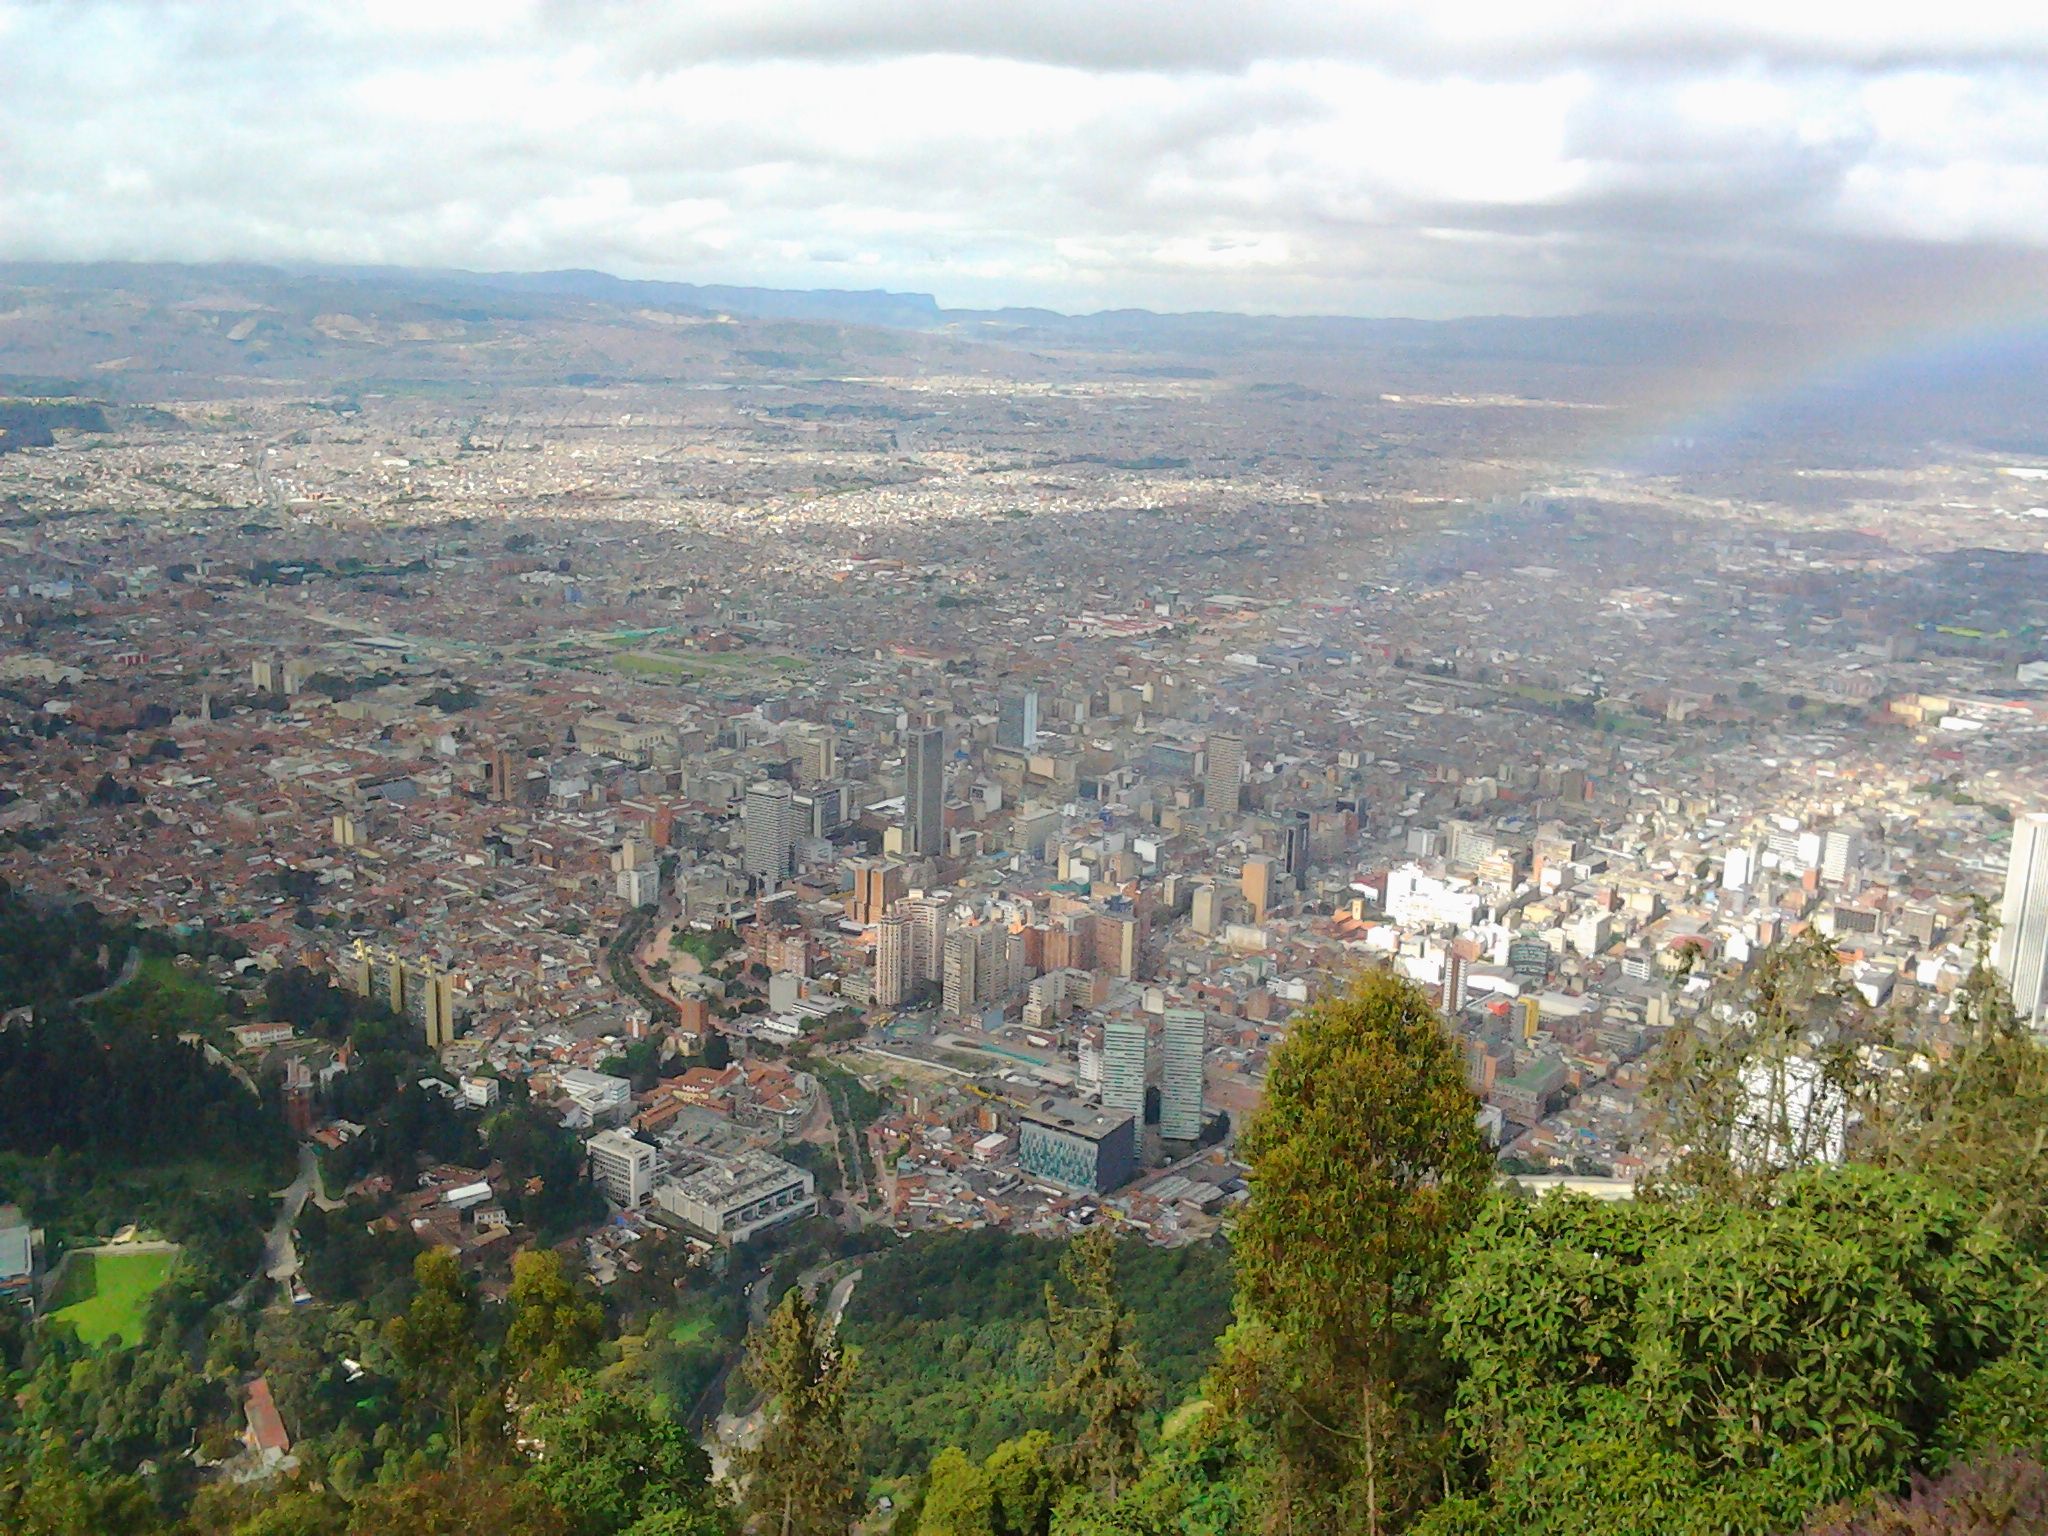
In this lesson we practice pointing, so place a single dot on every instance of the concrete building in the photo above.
(622, 1166)
(924, 793)
(769, 830)
(1017, 719)
(1184, 1046)
(731, 1196)
(607, 1099)
(1259, 880)
(17, 1257)
(1124, 1043)
(895, 971)
(1223, 775)
(1077, 1145)
(2021, 955)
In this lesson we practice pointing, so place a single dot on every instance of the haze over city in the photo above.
(795, 769)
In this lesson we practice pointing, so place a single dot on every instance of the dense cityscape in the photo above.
(584, 864)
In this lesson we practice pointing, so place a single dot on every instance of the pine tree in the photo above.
(1097, 1374)
(801, 1478)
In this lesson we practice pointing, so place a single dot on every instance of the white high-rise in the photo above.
(769, 829)
(1183, 1044)
(1123, 1065)
(2021, 955)
(895, 971)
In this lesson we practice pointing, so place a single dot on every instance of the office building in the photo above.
(1206, 912)
(1294, 848)
(1454, 984)
(769, 830)
(728, 1197)
(1124, 1044)
(924, 793)
(1260, 882)
(1183, 1048)
(817, 754)
(605, 1098)
(1077, 1145)
(895, 972)
(1223, 775)
(2021, 955)
(622, 1166)
(1017, 719)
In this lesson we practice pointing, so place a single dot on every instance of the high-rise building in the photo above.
(959, 977)
(927, 914)
(1123, 1065)
(817, 754)
(769, 829)
(622, 1166)
(1454, 985)
(1294, 848)
(924, 793)
(1184, 1043)
(2021, 956)
(877, 886)
(1223, 775)
(895, 974)
(1017, 719)
(1841, 850)
(1259, 879)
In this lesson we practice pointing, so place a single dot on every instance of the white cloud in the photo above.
(1291, 156)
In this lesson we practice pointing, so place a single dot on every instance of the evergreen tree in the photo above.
(1366, 1165)
(1097, 1375)
(802, 1476)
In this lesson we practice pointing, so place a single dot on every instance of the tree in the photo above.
(460, 1502)
(1366, 1165)
(435, 1337)
(1022, 1477)
(554, 1328)
(1097, 1375)
(613, 1464)
(957, 1500)
(801, 1477)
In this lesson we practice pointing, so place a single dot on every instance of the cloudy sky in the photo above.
(1273, 155)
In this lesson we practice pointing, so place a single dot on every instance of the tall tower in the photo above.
(2021, 956)
(924, 793)
(1185, 1041)
(1260, 884)
(894, 972)
(1123, 1065)
(769, 829)
(1223, 775)
(1017, 719)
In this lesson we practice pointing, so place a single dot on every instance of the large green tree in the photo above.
(1366, 1166)
(801, 1477)
(1098, 1381)
(434, 1339)
(612, 1463)
(555, 1328)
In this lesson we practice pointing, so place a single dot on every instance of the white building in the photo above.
(2021, 955)
(1123, 1066)
(622, 1166)
(732, 1196)
(1185, 1040)
(603, 1097)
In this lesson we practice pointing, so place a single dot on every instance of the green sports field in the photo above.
(104, 1293)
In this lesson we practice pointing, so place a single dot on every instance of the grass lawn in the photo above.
(691, 1327)
(104, 1293)
(162, 999)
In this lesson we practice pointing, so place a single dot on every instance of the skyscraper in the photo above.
(924, 793)
(769, 829)
(895, 973)
(1180, 1073)
(1123, 1065)
(1259, 883)
(2021, 956)
(1223, 775)
(1017, 719)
